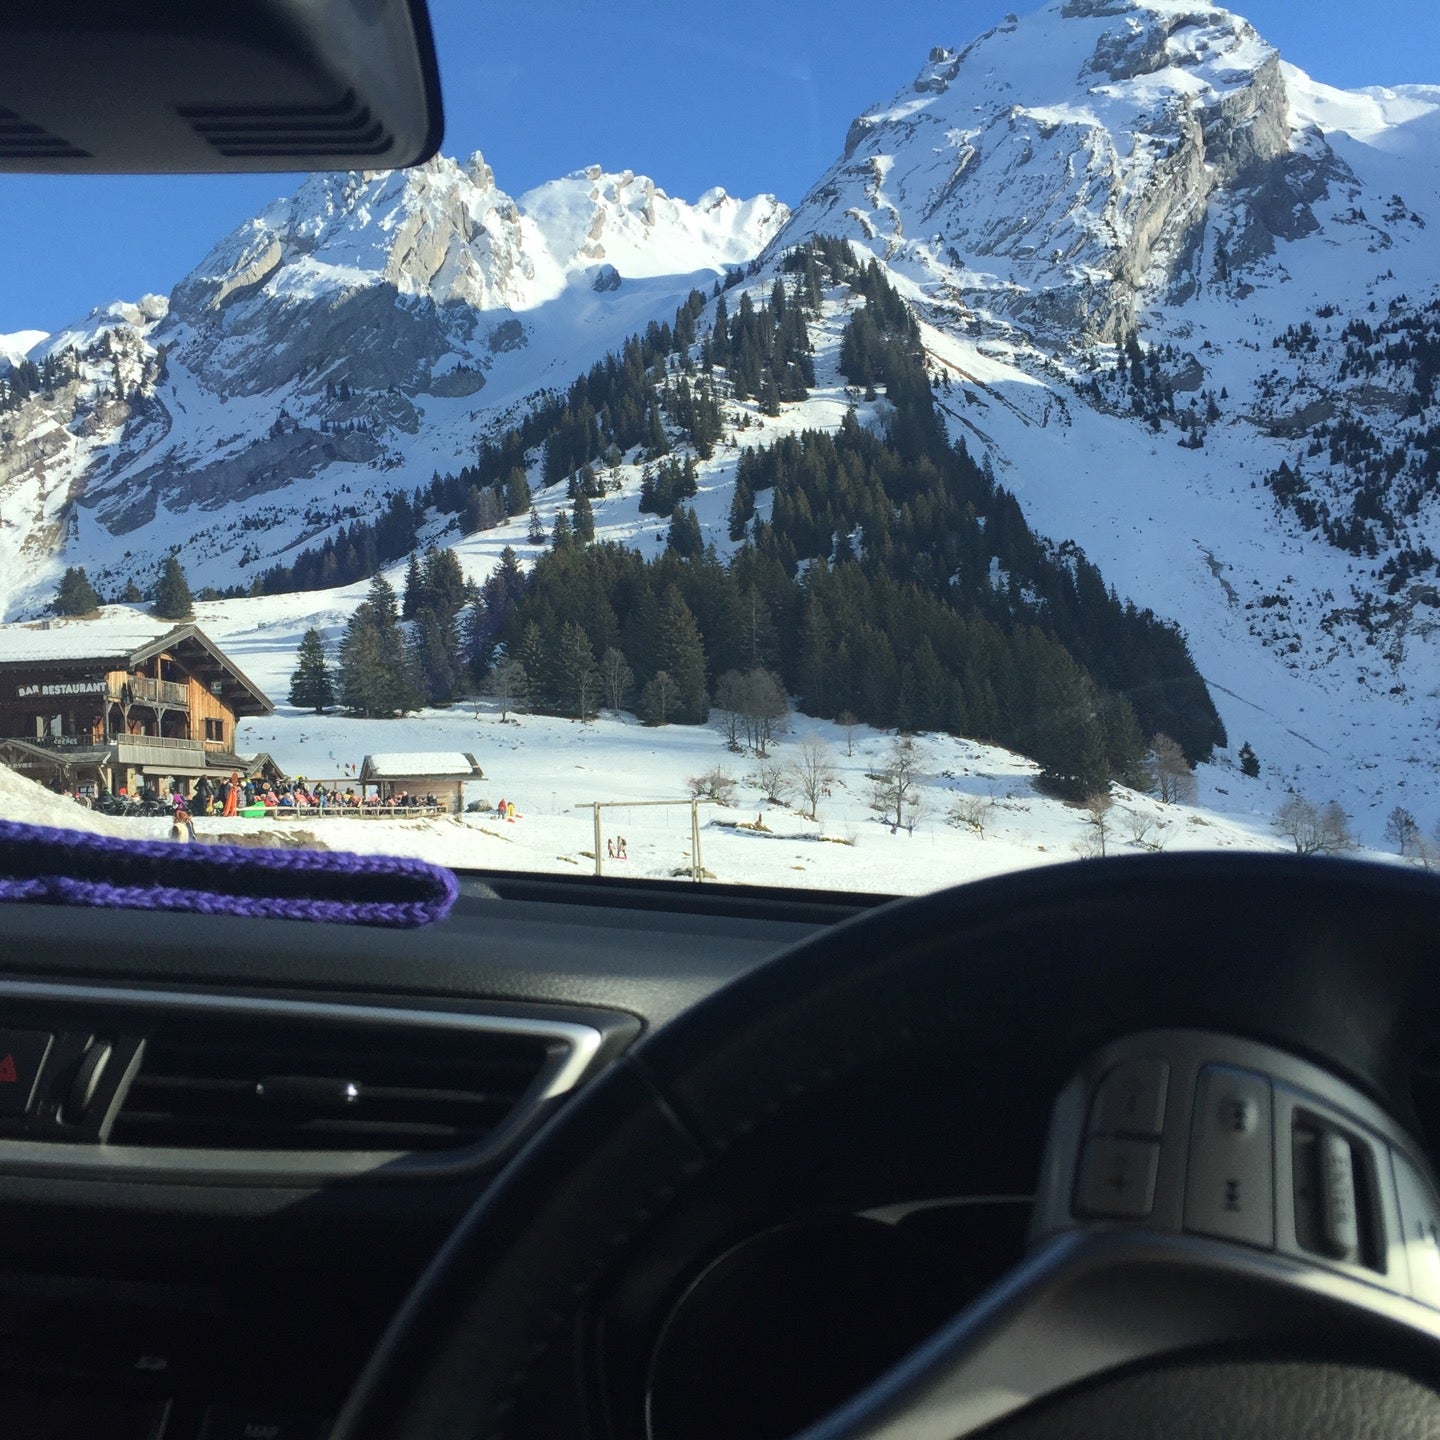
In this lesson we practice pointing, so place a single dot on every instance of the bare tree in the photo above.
(894, 787)
(769, 705)
(730, 701)
(506, 685)
(659, 698)
(578, 674)
(970, 812)
(1146, 831)
(754, 704)
(1174, 780)
(1096, 816)
(616, 678)
(1401, 830)
(849, 723)
(772, 776)
(916, 808)
(812, 772)
(714, 784)
(1312, 830)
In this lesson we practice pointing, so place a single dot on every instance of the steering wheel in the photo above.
(933, 1036)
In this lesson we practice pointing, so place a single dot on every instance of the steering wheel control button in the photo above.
(1229, 1190)
(1117, 1178)
(1326, 1216)
(1131, 1099)
(1420, 1225)
(22, 1053)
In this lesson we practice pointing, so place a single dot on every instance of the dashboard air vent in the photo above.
(344, 128)
(233, 1083)
(20, 140)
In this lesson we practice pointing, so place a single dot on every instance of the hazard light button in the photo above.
(22, 1053)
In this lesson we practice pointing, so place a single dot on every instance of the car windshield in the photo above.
(831, 450)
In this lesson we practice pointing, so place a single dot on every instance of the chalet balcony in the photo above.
(60, 742)
(156, 755)
(155, 752)
(144, 691)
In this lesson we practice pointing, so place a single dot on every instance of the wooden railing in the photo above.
(143, 690)
(161, 743)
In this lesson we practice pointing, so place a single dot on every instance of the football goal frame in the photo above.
(697, 869)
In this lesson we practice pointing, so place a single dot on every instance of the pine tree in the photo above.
(172, 593)
(131, 594)
(1402, 830)
(577, 672)
(1249, 761)
(379, 674)
(684, 537)
(312, 685)
(442, 583)
(536, 534)
(363, 681)
(517, 492)
(437, 650)
(414, 585)
(584, 519)
(681, 654)
(534, 655)
(76, 596)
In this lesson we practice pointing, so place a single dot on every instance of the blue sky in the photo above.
(755, 96)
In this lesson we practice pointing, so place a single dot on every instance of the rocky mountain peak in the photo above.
(1029, 170)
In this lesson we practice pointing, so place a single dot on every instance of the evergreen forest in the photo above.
(877, 570)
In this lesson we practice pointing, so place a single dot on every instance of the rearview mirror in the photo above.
(169, 86)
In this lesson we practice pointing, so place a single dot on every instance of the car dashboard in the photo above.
(230, 1146)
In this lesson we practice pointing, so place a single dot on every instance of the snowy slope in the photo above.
(1093, 172)
(554, 769)
(348, 342)
(1096, 171)
(15, 347)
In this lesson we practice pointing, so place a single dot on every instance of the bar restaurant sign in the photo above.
(60, 687)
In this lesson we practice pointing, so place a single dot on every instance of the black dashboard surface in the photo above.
(649, 951)
(256, 1303)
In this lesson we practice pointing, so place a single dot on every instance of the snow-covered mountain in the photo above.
(1182, 297)
(1187, 301)
(15, 347)
(356, 336)
(1095, 156)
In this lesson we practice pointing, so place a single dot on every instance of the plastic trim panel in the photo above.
(574, 1045)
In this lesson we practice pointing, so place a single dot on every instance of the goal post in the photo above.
(697, 869)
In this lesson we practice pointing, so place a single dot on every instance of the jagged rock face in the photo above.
(377, 278)
(311, 340)
(1059, 170)
(372, 278)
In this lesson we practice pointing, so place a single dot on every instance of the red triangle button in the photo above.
(7, 1071)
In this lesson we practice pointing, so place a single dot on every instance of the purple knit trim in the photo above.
(70, 867)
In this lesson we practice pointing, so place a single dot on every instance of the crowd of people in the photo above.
(237, 796)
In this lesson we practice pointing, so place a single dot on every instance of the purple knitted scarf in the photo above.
(69, 867)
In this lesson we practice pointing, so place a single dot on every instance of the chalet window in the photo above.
(215, 730)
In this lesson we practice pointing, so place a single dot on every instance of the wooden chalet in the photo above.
(121, 701)
(427, 772)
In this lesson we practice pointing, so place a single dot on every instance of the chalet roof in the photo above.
(115, 634)
(121, 637)
(421, 765)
